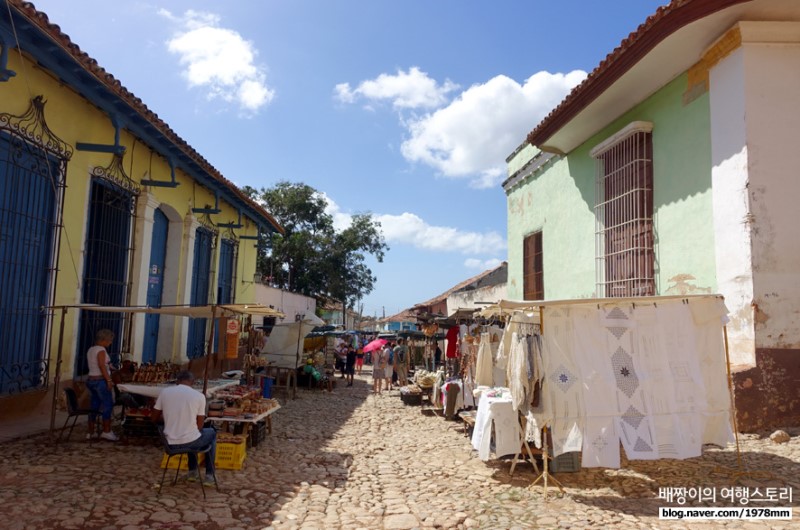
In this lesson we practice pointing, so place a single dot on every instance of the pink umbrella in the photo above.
(374, 345)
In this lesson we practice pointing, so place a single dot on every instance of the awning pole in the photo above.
(57, 376)
(210, 346)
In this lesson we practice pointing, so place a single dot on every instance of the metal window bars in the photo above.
(625, 259)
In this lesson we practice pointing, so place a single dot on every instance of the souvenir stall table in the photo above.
(243, 409)
(136, 419)
(153, 390)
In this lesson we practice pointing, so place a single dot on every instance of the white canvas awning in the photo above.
(202, 311)
(506, 307)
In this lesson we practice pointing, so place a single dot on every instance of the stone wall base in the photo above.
(767, 395)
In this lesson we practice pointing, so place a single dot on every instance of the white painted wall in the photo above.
(772, 96)
(729, 181)
(755, 132)
(467, 299)
(288, 303)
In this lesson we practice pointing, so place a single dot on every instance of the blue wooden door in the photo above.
(226, 264)
(30, 183)
(201, 276)
(155, 284)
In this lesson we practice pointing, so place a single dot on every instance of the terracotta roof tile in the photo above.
(406, 315)
(457, 287)
(666, 20)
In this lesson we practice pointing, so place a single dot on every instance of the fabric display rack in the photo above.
(648, 374)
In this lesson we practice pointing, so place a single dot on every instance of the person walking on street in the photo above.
(378, 369)
(100, 385)
(184, 412)
(389, 366)
(341, 357)
(359, 360)
(350, 365)
(401, 362)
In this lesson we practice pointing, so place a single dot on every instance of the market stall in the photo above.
(213, 312)
(649, 373)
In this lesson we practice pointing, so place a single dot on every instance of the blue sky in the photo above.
(405, 109)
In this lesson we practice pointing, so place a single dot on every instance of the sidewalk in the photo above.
(26, 426)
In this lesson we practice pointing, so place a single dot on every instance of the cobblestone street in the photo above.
(353, 460)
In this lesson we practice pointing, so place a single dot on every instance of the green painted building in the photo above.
(671, 170)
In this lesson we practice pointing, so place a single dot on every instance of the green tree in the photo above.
(311, 257)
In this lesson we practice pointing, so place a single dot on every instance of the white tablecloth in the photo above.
(500, 412)
(154, 391)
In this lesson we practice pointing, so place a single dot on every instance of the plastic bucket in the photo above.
(266, 386)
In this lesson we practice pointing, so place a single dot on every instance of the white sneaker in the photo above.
(110, 436)
(91, 436)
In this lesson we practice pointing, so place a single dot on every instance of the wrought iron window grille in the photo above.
(32, 126)
(115, 173)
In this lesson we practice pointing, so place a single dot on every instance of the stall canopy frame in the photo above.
(212, 311)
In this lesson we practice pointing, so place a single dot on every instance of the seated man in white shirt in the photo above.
(184, 412)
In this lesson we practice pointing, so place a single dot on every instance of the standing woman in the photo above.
(100, 385)
(379, 359)
(389, 365)
(359, 360)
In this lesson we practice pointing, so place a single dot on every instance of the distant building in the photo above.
(333, 314)
(486, 289)
(291, 304)
(489, 283)
(403, 321)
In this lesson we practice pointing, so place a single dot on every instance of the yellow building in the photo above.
(102, 203)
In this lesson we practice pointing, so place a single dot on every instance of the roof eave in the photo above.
(666, 21)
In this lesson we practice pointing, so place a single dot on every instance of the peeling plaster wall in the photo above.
(755, 130)
(772, 95)
(556, 202)
(732, 226)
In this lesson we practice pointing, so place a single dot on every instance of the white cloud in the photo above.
(473, 135)
(406, 90)
(219, 60)
(483, 265)
(341, 220)
(410, 229)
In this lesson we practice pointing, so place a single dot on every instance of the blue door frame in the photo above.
(155, 285)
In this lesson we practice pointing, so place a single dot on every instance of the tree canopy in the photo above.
(312, 257)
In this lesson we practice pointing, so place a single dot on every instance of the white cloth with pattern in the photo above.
(650, 376)
(495, 414)
(562, 398)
